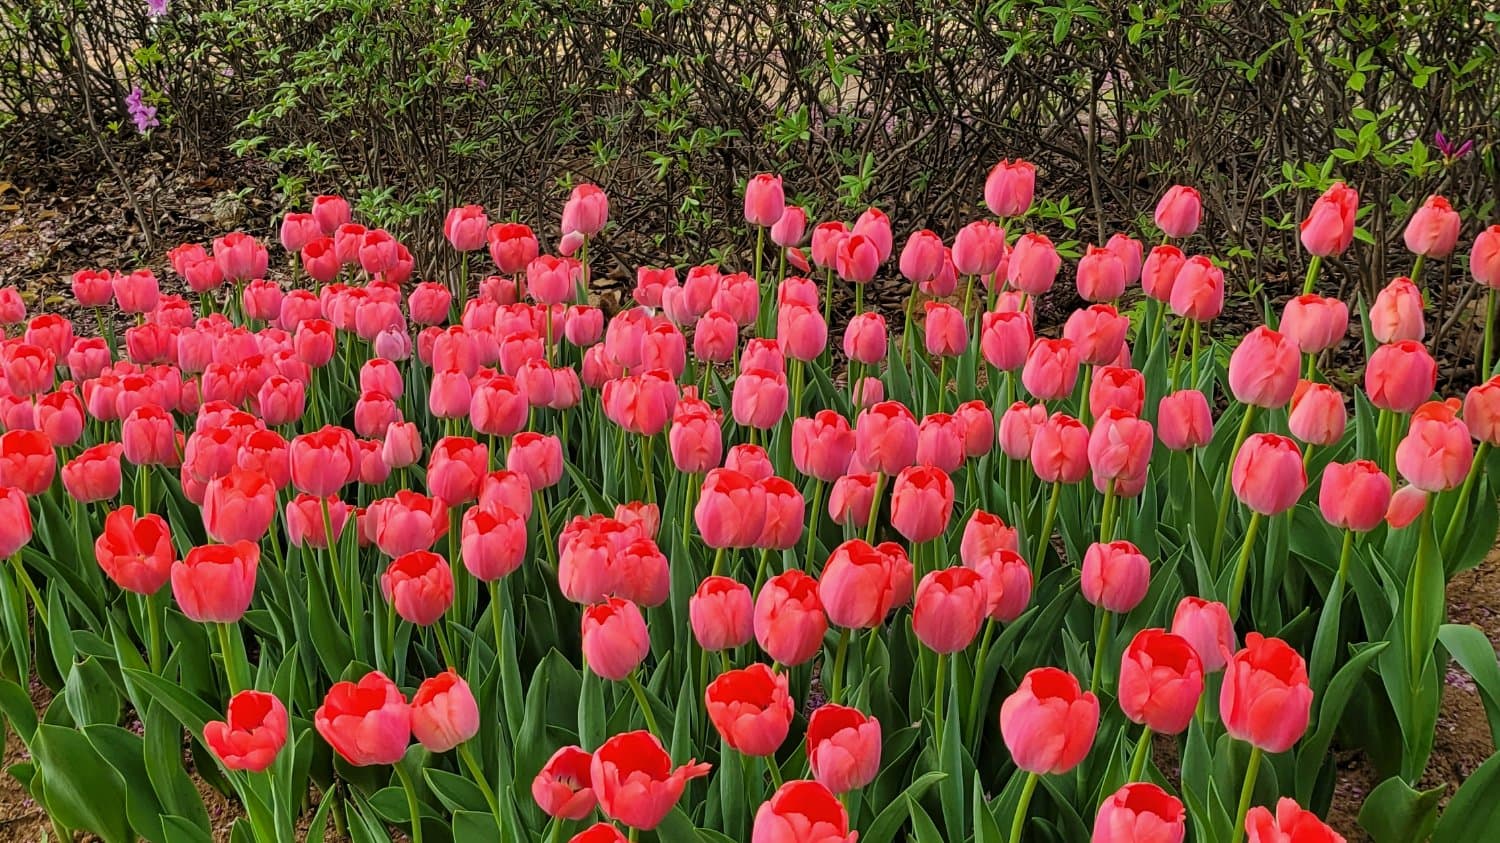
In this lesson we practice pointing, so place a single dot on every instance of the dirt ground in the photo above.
(76, 215)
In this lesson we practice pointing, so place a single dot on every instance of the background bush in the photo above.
(414, 106)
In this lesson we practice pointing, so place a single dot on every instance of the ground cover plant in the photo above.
(474, 552)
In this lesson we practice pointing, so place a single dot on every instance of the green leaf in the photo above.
(90, 696)
(1395, 813)
(1313, 753)
(888, 821)
(1472, 649)
(79, 789)
(190, 711)
(1476, 805)
(124, 751)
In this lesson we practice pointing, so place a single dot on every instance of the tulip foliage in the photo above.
(473, 559)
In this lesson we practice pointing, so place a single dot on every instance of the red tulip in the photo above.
(1161, 679)
(1267, 475)
(1179, 211)
(720, 613)
(1119, 449)
(240, 257)
(785, 515)
(1183, 420)
(1007, 583)
(885, 437)
(789, 620)
(614, 638)
(1159, 271)
(443, 712)
(790, 228)
(765, 201)
(1197, 290)
(1059, 450)
(598, 833)
(1051, 369)
(1033, 264)
(324, 461)
(843, 747)
(1206, 625)
(1115, 576)
(984, 534)
(252, 734)
(1291, 824)
(949, 607)
(456, 467)
(1101, 275)
(1049, 723)
(731, 510)
(214, 583)
(419, 586)
(921, 502)
(751, 709)
(562, 787)
(136, 553)
(855, 588)
(1140, 812)
(239, 506)
(632, 777)
(1484, 257)
(367, 723)
(802, 812)
(93, 475)
(1436, 453)
(1266, 699)
(1400, 376)
(1432, 230)
(940, 442)
(852, 499)
(1009, 187)
(1329, 227)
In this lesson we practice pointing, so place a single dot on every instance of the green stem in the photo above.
(760, 245)
(154, 611)
(1237, 588)
(1142, 752)
(1045, 536)
(814, 518)
(982, 657)
(1083, 394)
(1312, 274)
(718, 561)
(775, 772)
(1460, 509)
(1101, 644)
(1246, 792)
(26, 583)
(1489, 334)
(841, 652)
(467, 755)
(906, 327)
(411, 802)
(1019, 822)
(1193, 361)
(1418, 644)
(937, 698)
(1106, 516)
(942, 382)
(1177, 357)
(1416, 270)
(237, 682)
(1224, 490)
(875, 508)
(443, 645)
(645, 704)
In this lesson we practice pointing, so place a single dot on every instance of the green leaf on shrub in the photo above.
(1395, 813)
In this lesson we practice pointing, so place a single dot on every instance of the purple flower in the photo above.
(156, 8)
(144, 115)
(1446, 146)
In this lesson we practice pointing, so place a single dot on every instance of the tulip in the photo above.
(93, 475)
(407, 522)
(1263, 369)
(493, 542)
(633, 779)
(857, 259)
(1396, 314)
(1009, 187)
(921, 502)
(720, 613)
(885, 437)
(950, 605)
(1033, 264)
(1048, 724)
(641, 403)
(852, 499)
(1179, 211)
(444, 713)
(826, 237)
(614, 638)
(324, 461)
(1207, 627)
(1400, 376)
(512, 246)
(867, 392)
(1059, 449)
(1097, 333)
(822, 445)
(135, 553)
(1266, 698)
(1119, 450)
(1268, 476)
(945, 331)
(1432, 230)
(1101, 275)
(731, 510)
(765, 200)
(978, 248)
(695, 440)
(790, 228)
(984, 534)
(539, 457)
(843, 747)
(239, 506)
(1314, 323)
(214, 583)
(1140, 812)
(368, 723)
(865, 338)
(801, 331)
(330, 212)
(93, 287)
(148, 436)
(598, 833)
(240, 257)
(1018, 427)
(789, 621)
(1159, 271)
(562, 787)
(458, 465)
(1436, 453)
(855, 587)
(1354, 495)
(922, 257)
(940, 441)
(751, 709)
(1329, 227)
(251, 735)
(785, 515)
(1007, 583)
(802, 811)
(1051, 369)
(1291, 824)
(1115, 576)
(1183, 420)
(419, 586)
(1161, 679)
(1484, 257)
(875, 225)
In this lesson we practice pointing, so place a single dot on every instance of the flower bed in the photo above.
(473, 552)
